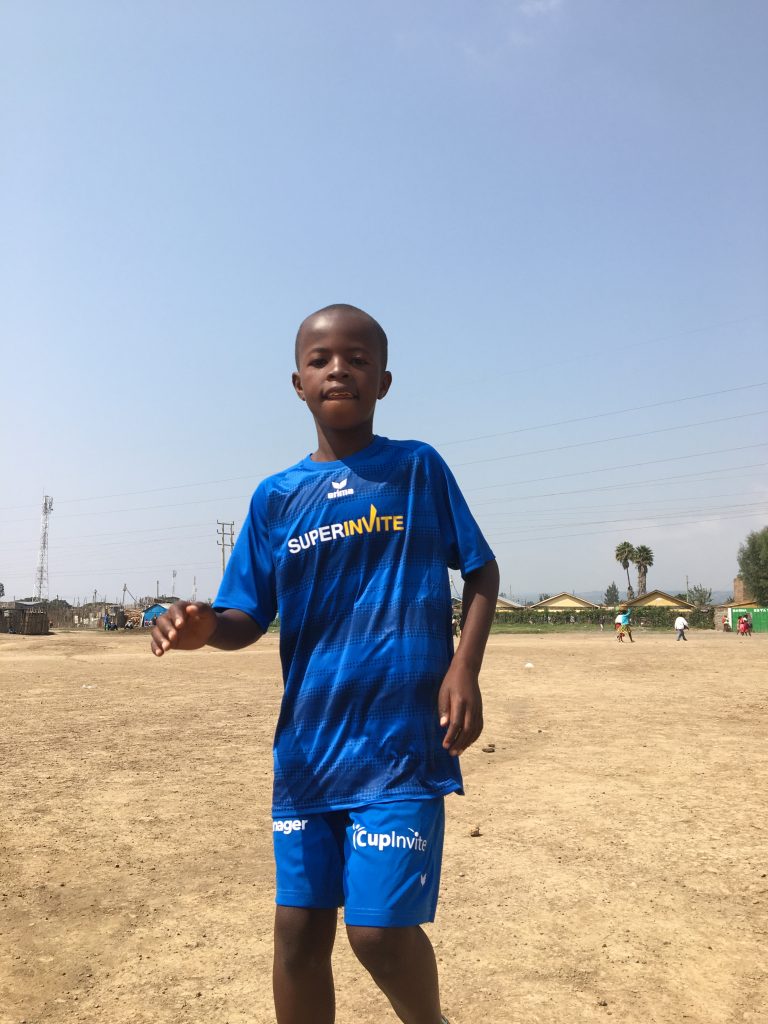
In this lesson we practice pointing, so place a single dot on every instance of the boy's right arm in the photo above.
(189, 625)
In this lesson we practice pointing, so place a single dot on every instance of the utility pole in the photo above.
(173, 584)
(227, 540)
(686, 587)
(194, 588)
(41, 577)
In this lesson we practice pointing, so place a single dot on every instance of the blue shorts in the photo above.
(381, 862)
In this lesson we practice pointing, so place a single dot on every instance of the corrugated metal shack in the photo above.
(24, 621)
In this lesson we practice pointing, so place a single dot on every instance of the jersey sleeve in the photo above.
(249, 578)
(465, 546)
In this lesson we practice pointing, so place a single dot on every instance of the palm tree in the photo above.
(643, 559)
(625, 554)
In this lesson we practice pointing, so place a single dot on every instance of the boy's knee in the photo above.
(304, 938)
(380, 950)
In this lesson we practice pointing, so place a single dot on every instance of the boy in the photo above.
(351, 546)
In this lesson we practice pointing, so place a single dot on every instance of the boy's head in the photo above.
(351, 319)
(341, 366)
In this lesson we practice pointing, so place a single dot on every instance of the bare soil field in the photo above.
(621, 871)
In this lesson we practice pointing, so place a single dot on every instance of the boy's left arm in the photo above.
(459, 702)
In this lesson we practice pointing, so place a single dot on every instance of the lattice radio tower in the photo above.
(41, 578)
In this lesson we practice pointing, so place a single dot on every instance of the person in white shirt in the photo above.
(681, 625)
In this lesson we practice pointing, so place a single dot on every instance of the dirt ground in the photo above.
(621, 871)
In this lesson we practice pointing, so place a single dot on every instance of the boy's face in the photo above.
(341, 373)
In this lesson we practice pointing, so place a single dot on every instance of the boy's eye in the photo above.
(358, 361)
(318, 361)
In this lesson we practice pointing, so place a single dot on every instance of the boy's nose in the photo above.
(337, 369)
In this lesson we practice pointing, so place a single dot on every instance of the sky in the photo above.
(557, 209)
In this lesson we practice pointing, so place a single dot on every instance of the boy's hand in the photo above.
(460, 707)
(186, 626)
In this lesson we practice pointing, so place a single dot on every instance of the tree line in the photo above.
(642, 558)
(752, 560)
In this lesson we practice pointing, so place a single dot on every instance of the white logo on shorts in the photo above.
(363, 839)
(290, 825)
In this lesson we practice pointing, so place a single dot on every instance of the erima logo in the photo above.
(363, 839)
(340, 489)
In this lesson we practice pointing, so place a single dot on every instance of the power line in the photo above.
(129, 494)
(640, 522)
(479, 437)
(124, 569)
(140, 508)
(623, 465)
(468, 490)
(118, 543)
(643, 526)
(505, 512)
(629, 485)
(575, 509)
(663, 339)
(618, 437)
(601, 415)
(175, 527)
(514, 539)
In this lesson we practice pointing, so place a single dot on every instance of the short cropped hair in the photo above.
(344, 307)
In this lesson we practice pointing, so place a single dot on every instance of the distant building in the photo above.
(727, 616)
(24, 620)
(659, 599)
(503, 605)
(149, 615)
(564, 603)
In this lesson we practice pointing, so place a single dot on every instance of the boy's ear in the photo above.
(296, 381)
(386, 383)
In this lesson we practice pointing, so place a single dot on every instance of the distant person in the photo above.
(744, 629)
(351, 546)
(626, 624)
(749, 623)
(681, 625)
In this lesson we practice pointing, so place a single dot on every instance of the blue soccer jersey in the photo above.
(353, 556)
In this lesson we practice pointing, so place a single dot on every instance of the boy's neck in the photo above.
(333, 445)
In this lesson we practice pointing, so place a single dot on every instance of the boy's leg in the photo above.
(302, 980)
(393, 856)
(309, 863)
(402, 963)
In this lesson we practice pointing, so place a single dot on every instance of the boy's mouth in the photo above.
(338, 394)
